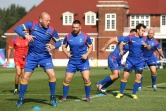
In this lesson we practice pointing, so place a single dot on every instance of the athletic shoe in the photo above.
(99, 86)
(119, 95)
(154, 87)
(139, 88)
(19, 102)
(53, 101)
(63, 100)
(134, 96)
(88, 100)
(15, 91)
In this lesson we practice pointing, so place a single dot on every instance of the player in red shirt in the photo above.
(20, 46)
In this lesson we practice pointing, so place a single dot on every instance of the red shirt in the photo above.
(20, 47)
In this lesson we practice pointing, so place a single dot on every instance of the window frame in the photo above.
(90, 14)
(67, 15)
(134, 19)
(110, 20)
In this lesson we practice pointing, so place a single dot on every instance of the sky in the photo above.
(25, 3)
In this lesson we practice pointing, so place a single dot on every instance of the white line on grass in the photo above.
(93, 96)
(96, 96)
(156, 85)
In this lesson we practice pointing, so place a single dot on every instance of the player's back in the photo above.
(116, 51)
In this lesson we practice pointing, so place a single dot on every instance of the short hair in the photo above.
(139, 26)
(132, 30)
(76, 22)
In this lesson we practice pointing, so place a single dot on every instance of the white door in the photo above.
(163, 24)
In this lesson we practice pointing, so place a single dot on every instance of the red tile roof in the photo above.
(147, 6)
(56, 7)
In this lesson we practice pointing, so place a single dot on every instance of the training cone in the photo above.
(36, 108)
(100, 94)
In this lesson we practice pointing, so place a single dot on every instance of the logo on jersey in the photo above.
(133, 41)
(48, 63)
(152, 44)
(70, 40)
(80, 39)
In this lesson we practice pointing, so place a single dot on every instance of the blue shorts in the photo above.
(114, 63)
(73, 66)
(150, 61)
(32, 63)
(134, 65)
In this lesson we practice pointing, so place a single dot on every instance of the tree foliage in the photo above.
(8, 17)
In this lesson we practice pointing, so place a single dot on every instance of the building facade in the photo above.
(101, 20)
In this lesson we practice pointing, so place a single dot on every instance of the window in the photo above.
(110, 22)
(93, 43)
(111, 47)
(90, 18)
(136, 19)
(163, 20)
(68, 18)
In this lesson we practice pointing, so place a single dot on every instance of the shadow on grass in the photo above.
(7, 91)
(30, 100)
(68, 97)
(10, 91)
(161, 87)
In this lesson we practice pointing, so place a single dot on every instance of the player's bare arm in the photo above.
(8, 56)
(121, 47)
(146, 45)
(112, 40)
(85, 56)
(64, 48)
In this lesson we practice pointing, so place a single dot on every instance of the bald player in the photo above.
(150, 57)
(38, 53)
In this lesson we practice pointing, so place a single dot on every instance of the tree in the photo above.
(8, 17)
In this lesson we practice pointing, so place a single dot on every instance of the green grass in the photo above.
(38, 93)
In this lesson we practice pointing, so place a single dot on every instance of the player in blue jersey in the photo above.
(114, 62)
(38, 54)
(150, 59)
(135, 59)
(78, 42)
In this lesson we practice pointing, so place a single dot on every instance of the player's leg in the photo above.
(19, 73)
(138, 70)
(70, 71)
(140, 85)
(85, 72)
(23, 87)
(115, 67)
(86, 77)
(114, 76)
(31, 64)
(47, 65)
(152, 66)
(17, 78)
(153, 76)
(127, 70)
(52, 85)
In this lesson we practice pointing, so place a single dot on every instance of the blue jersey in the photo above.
(37, 47)
(154, 44)
(116, 52)
(135, 47)
(78, 45)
